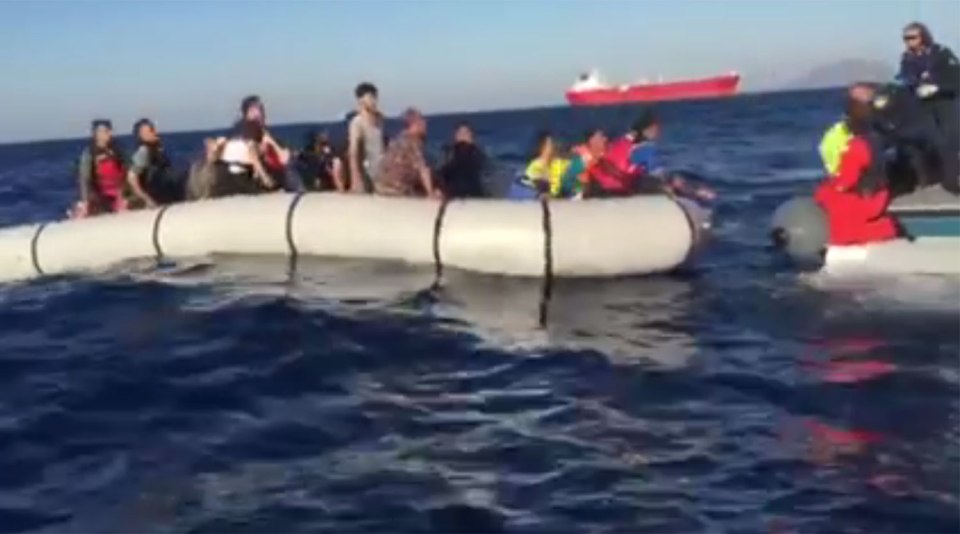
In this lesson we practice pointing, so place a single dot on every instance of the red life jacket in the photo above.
(109, 176)
(614, 173)
(855, 217)
(271, 160)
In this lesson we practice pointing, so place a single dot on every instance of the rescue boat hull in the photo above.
(929, 221)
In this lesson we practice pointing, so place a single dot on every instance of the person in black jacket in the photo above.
(461, 175)
(932, 72)
(151, 179)
(320, 165)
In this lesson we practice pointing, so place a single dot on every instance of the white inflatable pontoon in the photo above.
(598, 238)
(929, 220)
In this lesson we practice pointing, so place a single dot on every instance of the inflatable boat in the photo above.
(596, 238)
(928, 218)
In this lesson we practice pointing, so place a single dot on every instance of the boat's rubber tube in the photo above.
(638, 235)
(926, 255)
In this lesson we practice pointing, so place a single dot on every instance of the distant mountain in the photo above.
(844, 73)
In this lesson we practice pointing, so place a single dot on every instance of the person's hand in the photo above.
(705, 194)
(79, 210)
(152, 204)
(268, 182)
(927, 90)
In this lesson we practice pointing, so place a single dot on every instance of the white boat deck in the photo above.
(931, 199)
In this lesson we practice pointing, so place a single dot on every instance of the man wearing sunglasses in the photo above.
(932, 72)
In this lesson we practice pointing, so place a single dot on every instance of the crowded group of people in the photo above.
(601, 168)
(250, 160)
(892, 140)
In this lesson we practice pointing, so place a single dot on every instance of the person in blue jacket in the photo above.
(932, 72)
(645, 158)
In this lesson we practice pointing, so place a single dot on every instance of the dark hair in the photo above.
(96, 123)
(858, 116)
(646, 119)
(590, 132)
(925, 36)
(249, 102)
(539, 141)
(365, 89)
(311, 138)
(141, 123)
(250, 130)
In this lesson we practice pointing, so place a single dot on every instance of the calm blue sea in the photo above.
(734, 396)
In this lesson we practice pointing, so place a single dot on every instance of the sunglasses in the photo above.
(913, 37)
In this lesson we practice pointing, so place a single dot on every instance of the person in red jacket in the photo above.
(855, 196)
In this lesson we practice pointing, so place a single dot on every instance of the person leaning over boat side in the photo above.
(240, 169)
(320, 168)
(150, 178)
(403, 168)
(854, 194)
(365, 139)
(461, 175)
(100, 174)
(632, 166)
(933, 73)
(645, 160)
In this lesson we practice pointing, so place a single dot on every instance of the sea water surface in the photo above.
(736, 395)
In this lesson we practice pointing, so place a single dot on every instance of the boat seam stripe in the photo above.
(437, 229)
(156, 232)
(291, 246)
(547, 293)
(35, 249)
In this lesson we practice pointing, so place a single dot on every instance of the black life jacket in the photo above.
(874, 178)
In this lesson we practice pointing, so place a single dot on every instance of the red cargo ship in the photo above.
(590, 91)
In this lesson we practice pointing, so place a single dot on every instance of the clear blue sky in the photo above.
(187, 63)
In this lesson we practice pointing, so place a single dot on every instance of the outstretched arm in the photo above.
(336, 171)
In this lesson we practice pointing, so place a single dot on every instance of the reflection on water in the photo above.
(638, 320)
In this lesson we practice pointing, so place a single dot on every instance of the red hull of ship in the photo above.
(717, 87)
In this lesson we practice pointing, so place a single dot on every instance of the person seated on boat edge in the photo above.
(544, 172)
(273, 156)
(319, 165)
(240, 169)
(403, 168)
(100, 174)
(461, 174)
(151, 180)
(932, 72)
(854, 194)
(584, 161)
